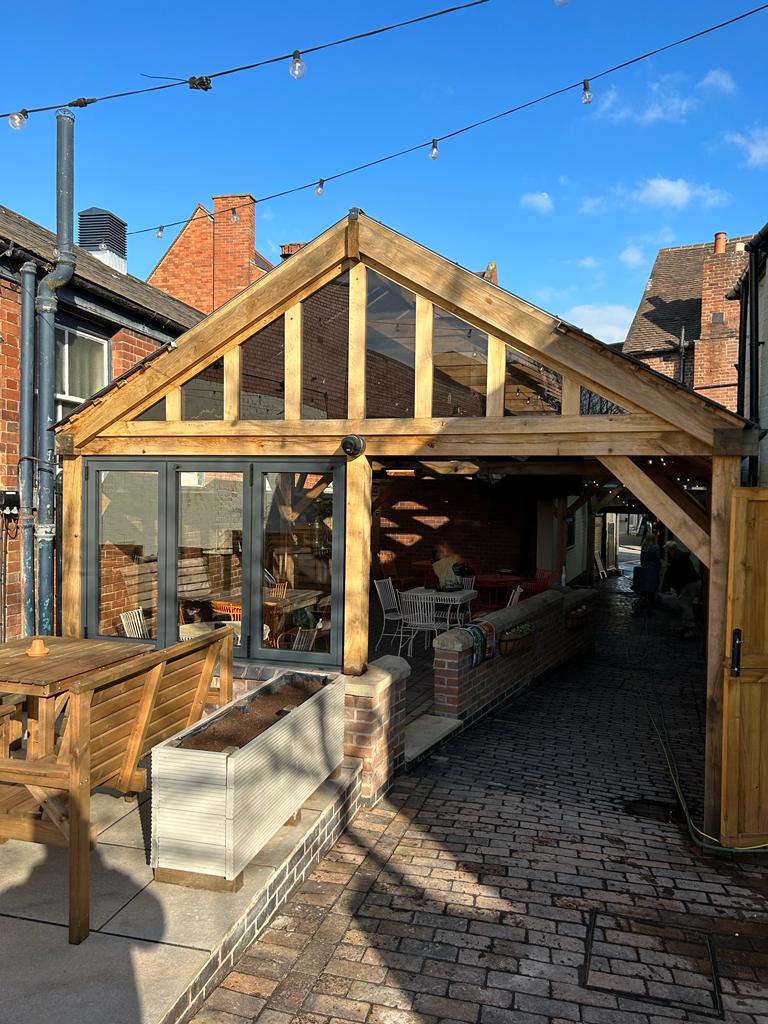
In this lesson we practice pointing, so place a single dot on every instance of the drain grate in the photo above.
(666, 965)
(656, 810)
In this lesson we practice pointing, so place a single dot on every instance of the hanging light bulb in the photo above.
(586, 96)
(235, 216)
(298, 67)
(18, 120)
(434, 153)
(320, 187)
(160, 231)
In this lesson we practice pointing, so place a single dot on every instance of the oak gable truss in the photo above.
(660, 417)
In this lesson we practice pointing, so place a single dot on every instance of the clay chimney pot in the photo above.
(720, 240)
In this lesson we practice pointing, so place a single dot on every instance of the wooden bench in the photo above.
(112, 719)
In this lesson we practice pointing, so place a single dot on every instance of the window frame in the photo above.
(67, 396)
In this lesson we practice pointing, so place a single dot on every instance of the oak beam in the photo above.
(72, 548)
(232, 384)
(358, 308)
(659, 502)
(173, 405)
(570, 404)
(689, 505)
(357, 575)
(294, 374)
(496, 380)
(726, 475)
(422, 402)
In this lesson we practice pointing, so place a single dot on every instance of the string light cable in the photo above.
(204, 83)
(583, 84)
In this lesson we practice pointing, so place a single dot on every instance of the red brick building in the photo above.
(215, 256)
(107, 320)
(684, 326)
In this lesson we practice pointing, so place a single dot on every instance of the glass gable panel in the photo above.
(390, 349)
(530, 387)
(202, 398)
(154, 412)
(262, 368)
(460, 357)
(325, 341)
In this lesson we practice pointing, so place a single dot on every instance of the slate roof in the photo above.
(94, 276)
(672, 299)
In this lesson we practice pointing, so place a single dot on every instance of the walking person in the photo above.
(649, 575)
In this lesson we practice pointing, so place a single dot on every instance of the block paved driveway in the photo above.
(474, 892)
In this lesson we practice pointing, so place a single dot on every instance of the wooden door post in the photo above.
(357, 565)
(726, 474)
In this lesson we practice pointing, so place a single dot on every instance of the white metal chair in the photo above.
(514, 597)
(301, 639)
(390, 609)
(134, 624)
(464, 613)
(418, 612)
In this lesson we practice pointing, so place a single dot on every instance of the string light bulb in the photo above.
(586, 96)
(298, 67)
(160, 231)
(18, 120)
(434, 152)
(320, 187)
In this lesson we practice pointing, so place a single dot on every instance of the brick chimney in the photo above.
(214, 256)
(717, 348)
(290, 248)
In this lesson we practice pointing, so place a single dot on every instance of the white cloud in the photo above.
(753, 143)
(633, 256)
(588, 263)
(719, 80)
(541, 202)
(563, 180)
(677, 193)
(611, 106)
(608, 323)
(667, 102)
(592, 204)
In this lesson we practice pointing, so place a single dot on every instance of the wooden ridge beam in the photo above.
(659, 502)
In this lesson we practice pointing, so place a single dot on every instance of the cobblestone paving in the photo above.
(474, 891)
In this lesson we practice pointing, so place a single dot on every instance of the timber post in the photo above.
(357, 577)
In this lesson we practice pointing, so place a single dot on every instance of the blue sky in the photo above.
(571, 201)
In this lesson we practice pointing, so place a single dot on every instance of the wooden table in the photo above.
(42, 680)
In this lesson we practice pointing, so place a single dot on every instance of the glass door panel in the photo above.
(127, 556)
(297, 562)
(209, 554)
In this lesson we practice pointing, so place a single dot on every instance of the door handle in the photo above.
(736, 643)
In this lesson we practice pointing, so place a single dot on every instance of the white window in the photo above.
(82, 367)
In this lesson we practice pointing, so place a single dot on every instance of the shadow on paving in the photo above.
(469, 893)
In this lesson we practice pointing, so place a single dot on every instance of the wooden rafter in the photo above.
(660, 503)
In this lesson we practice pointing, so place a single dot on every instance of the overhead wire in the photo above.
(579, 84)
(203, 82)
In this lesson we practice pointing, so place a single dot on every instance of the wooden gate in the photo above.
(745, 697)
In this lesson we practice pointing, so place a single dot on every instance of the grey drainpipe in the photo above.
(46, 366)
(27, 445)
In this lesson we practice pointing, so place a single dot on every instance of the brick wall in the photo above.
(717, 350)
(374, 726)
(467, 692)
(669, 364)
(481, 524)
(128, 348)
(214, 256)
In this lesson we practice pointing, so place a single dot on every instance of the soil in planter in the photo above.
(243, 723)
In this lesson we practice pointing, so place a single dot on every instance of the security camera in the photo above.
(353, 445)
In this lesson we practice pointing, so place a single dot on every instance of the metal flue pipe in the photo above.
(46, 305)
(27, 445)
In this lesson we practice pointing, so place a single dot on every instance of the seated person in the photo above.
(443, 567)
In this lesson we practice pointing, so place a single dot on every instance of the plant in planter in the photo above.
(516, 639)
(577, 617)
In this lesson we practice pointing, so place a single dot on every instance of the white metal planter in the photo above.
(212, 811)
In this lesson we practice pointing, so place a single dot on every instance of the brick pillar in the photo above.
(450, 679)
(374, 726)
(717, 350)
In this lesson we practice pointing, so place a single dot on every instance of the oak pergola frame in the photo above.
(660, 418)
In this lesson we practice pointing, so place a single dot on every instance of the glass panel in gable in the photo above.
(390, 349)
(325, 341)
(262, 372)
(202, 398)
(593, 404)
(460, 358)
(530, 387)
(154, 412)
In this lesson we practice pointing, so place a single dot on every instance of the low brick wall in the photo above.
(374, 726)
(467, 692)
